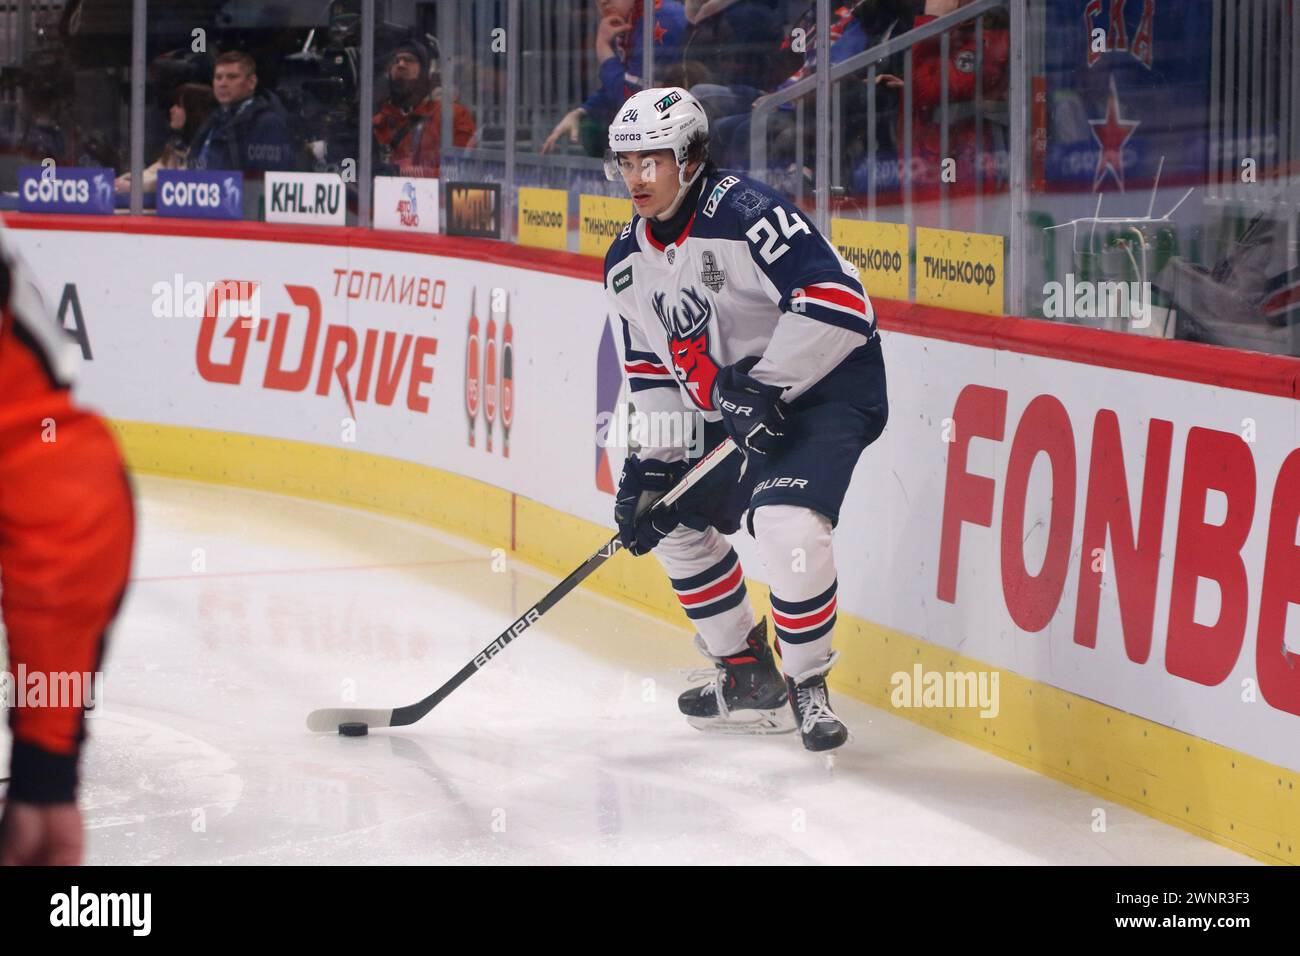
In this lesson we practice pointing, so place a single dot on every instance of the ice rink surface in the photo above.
(248, 610)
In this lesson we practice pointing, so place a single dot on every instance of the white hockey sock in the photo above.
(795, 544)
(709, 581)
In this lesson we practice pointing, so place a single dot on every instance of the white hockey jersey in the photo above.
(749, 275)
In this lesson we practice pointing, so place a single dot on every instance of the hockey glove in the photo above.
(643, 483)
(752, 412)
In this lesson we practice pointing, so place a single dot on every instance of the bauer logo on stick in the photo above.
(497, 646)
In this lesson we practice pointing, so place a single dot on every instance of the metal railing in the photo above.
(519, 88)
(556, 66)
(827, 82)
(869, 60)
(1255, 102)
(18, 20)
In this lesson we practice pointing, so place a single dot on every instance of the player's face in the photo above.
(651, 178)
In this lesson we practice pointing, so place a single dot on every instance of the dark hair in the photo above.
(197, 101)
(697, 149)
(246, 61)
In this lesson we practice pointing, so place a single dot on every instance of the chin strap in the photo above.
(681, 192)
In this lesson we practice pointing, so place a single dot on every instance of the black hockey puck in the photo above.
(354, 730)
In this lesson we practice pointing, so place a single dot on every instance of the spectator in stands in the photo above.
(927, 121)
(247, 131)
(45, 85)
(849, 35)
(729, 54)
(618, 49)
(191, 105)
(408, 126)
(55, 118)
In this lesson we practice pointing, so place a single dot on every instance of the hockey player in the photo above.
(733, 306)
(66, 528)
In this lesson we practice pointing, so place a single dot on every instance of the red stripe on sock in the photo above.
(714, 591)
(801, 621)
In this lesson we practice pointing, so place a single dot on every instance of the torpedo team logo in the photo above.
(687, 325)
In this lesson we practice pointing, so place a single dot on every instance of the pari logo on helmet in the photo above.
(674, 97)
(664, 118)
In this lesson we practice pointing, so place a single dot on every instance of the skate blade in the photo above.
(747, 722)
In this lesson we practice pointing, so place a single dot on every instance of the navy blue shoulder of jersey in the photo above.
(623, 246)
(729, 204)
(786, 247)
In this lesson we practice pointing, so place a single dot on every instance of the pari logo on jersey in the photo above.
(687, 325)
(715, 197)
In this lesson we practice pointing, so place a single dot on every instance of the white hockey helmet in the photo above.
(662, 118)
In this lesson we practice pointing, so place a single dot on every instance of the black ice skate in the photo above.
(747, 694)
(817, 723)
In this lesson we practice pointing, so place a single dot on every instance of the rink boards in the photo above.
(1109, 523)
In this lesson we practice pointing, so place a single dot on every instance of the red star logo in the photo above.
(660, 30)
(1111, 134)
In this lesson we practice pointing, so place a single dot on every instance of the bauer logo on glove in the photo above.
(642, 484)
(752, 412)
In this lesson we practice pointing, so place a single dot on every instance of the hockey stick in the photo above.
(335, 718)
